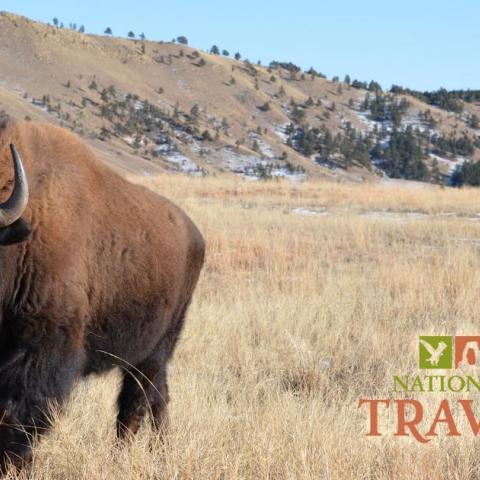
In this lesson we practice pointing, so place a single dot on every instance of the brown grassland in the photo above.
(298, 314)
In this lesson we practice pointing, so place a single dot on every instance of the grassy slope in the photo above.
(40, 60)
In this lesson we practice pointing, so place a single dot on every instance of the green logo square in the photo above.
(435, 352)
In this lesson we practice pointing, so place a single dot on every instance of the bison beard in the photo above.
(95, 273)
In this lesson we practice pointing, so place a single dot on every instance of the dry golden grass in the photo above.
(295, 318)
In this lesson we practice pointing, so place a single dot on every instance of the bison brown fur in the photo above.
(96, 273)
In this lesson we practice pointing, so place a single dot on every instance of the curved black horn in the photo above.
(13, 208)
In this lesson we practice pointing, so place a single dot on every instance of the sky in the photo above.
(422, 44)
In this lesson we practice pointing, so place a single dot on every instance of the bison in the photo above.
(95, 273)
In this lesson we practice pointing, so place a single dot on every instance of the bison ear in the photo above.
(17, 232)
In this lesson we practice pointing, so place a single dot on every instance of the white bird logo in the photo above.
(435, 353)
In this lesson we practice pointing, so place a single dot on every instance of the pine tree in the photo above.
(474, 121)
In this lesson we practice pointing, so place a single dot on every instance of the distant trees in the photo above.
(442, 98)
(453, 145)
(385, 108)
(401, 152)
(265, 107)
(195, 112)
(289, 66)
(347, 79)
(374, 87)
(297, 113)
(142, 36)
(225, 53)
(55, 21)
(468, 173)
(238, 56)
(473, 121)
(182, 39)
(358, 84)
(207, 136)
(215, 50)
(81, 29)
(108, 31)
(403, 157)
(131, 34)
(428, 118)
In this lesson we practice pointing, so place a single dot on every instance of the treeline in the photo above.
(400, 153)
(403, 156)
(342, 149)
(385, 108)
(463, 145)
(451, 100)
(467, 173)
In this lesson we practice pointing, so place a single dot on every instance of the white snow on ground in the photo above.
(265, 148)
(128, 139)
(399, 182)
(400, 216)
(459, 161)
(365, 118)
(410, 119)
(182, 162)
(236, 161)
(248, 165)
(309, 212)
(285, 173)
(452, 164)
(172, 155)
(280, 132)
(197, 147)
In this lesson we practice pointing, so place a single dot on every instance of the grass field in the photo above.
(313, 295)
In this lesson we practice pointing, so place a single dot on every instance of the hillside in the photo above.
(149, 106)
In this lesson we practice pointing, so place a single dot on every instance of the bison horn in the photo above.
(13, 208)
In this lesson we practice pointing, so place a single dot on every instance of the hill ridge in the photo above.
(182, 109)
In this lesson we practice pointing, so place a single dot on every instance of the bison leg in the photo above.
(31, 379)
(144, 390)
(145, 387)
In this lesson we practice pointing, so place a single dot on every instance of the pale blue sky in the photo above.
(422, 44)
